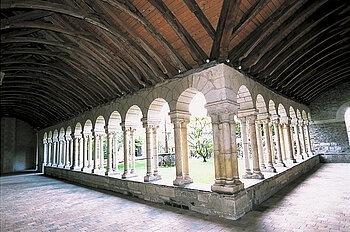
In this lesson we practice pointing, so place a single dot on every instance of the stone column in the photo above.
(186, 170)
(101, 155)
(297, 139)
(308, 138)
(244, 135)
(149, 151)
(75, 164)
(96, 153)
(255, 156)
(273, 152)
(283, 145)
(260, 146)
(156, 175)
(71, 152)
(85, 153)
(302, 138)
(267, 137)
(292, 139)
(54, 159)
(126, 173)
(132, 151)
(90, 164)
(288, 140)
(49, 143)
(67, 162)
(178, 151)
(45, 154)
(115, 154)
(277, 127)
(109, 153)
(225, 150)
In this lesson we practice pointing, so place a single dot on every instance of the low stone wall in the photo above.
(206, 202)
(335, 158)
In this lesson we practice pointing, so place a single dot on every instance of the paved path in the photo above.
(319, 201)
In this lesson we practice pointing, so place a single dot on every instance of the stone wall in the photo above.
(17, 145)
(328, 130)
(335, 158)
(205, 202)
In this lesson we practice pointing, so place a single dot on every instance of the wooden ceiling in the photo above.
(63, 57)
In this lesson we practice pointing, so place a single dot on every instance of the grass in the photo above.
(200, 172)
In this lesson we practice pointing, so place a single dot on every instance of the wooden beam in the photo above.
(128, 8)
(195, 50)
(292, 23)
(26, 16)
(196, 10)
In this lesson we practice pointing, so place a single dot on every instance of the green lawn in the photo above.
(199, 171)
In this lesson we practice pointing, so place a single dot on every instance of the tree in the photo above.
(200, 138)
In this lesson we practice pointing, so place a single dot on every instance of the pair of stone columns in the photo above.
(302, 134)
(98, 164)
(225, 149)
(248, 126)
(87, 153)
(112, 158)
(180, 121)
(129, 131)
(151, 151)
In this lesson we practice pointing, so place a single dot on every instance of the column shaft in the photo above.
(288, 141)
(260, 146)
(126, 158)
(268, 146)
(132, 151)
(244, 134)
(302, 138)
(149, 152)
(254, 145)
(155, 153)
(186, 170)
(277, 127)
(101, 156)
(178, 152)
(109, 154)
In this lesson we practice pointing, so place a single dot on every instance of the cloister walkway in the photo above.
(318, 201)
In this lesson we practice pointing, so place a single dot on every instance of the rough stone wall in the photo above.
(17, 145)
(328, 130)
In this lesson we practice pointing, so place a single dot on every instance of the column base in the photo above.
(280, 165)
(293, 160)
(305, 154)
(128, 175)
(49, 164)
(188, 178)
(76, 168)
(253, 176)
(67, 167)
(60, 166)
(86, 169)
(112, 173)
(262, 167)
(180, 181)
(54, 165)
(310, 153)
(98, 171)
(269, 169)
(227, 189)
(151, 177)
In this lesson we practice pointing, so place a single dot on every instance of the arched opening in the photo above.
(116, 143)
(347, 123)
(99, 147)
(87, 146)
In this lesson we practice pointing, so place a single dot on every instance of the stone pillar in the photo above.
(184, 144)
(307, 134)
(49, 143)
(283, 145)
(292, 139)
(45, 154)
(255, 156)
(273, 152)
(297, 138)
(67, 161)
(132, 151)
(288, 140)
(149, 151)
(109, 153)
(90, 164)
(75, 164)
(267, 137)
(156, 174)
(126, 173)
(260, 145)
(71, 151)
(95, 169)
(302, 138)
(101, 155)
(277, 127)
(54, 159)
(225, 150)
(244, 134)
(85, 150)
(115, 154)
(178, 151)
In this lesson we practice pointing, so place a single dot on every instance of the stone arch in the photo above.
(100, 124)
(55, 134)
(244, 98)
(309, 116)
(155, 109)
(185, 98)
(298, 114)
(133, 116)
(261, 104)
(342, 110)
(303, 115)
(87, 127)
(282, 111)
(68, 131)
(62, 133)
(78, 129)
(49, 136)
(45, 136)
(114, 121)
(272, 108)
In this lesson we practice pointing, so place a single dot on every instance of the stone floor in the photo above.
(319, 201)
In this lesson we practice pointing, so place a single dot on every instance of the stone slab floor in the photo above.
(319, 201)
